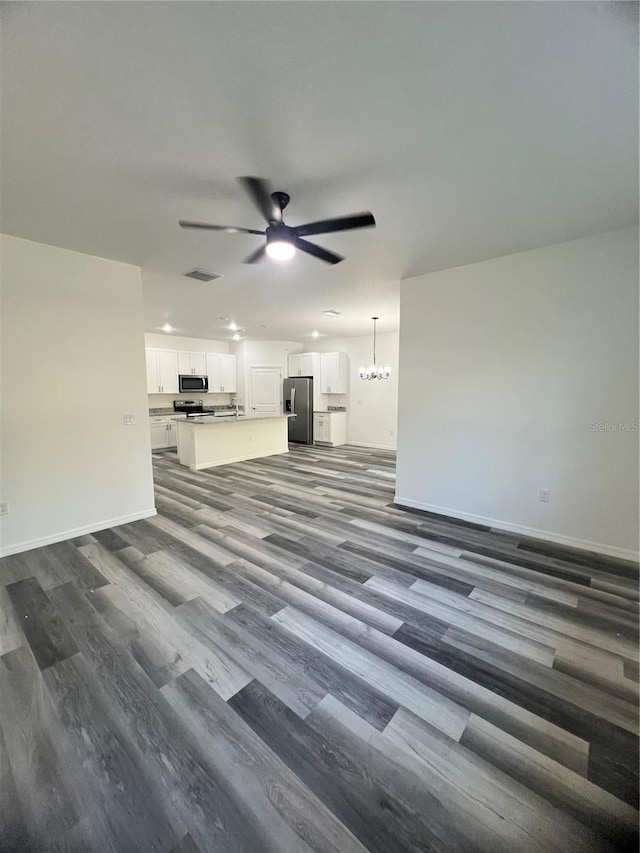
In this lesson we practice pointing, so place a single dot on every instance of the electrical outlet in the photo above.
(390, 432)
(250, 438)
(128, 420)
(4, 508)
(545, 495)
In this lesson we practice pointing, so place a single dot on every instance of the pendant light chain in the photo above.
(375, 322)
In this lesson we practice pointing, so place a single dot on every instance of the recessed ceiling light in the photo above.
(332, 312)
(232, 326)
(236, 337)
(315, 334)
(167, 328)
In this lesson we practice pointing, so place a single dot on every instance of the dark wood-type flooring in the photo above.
(282, 660)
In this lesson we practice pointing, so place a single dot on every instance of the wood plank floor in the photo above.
(282, 660)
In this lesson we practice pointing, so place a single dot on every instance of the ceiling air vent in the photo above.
(202, 275)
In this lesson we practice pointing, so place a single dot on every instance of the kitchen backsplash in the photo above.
(162, 401)
(169, 410)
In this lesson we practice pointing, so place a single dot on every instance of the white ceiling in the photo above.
(471, 130)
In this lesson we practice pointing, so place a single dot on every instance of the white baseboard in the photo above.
(204, 466)
(533, 532)
(373, 446)
(77, 531)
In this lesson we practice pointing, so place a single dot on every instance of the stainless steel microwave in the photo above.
(188, 382)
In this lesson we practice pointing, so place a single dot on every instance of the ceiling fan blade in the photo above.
(339, 223)
(259, 191)
(230, 229)
(318, 251)
(256, 256)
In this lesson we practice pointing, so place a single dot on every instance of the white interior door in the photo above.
(266, 391)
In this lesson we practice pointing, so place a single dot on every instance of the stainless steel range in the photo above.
(187, 407)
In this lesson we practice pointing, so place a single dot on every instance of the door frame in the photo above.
(277, 367)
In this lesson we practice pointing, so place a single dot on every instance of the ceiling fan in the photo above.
(282, 240)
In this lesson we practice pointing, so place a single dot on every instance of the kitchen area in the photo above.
(197, 404)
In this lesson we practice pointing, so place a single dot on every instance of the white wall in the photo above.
(260, 354)
(504, 367)
(72, 365)
(170, 341)
(372, 407)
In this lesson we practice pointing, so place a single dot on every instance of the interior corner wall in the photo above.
(73, 364)
(372, 406)
(520, 374)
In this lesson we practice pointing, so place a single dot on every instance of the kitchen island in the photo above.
(205, 441)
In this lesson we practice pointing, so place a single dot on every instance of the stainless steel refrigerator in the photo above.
(298, 401)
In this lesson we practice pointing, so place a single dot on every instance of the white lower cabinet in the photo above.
(330, 428)
(164, 431)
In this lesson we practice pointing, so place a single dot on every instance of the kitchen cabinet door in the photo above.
(303, 364)
(172, 434)
(193, 363)
(168, 371)
(159, 435)
(228, 383)
(162, 371)
(306, 364)
(294, 366)
(334, 368)
(153, 382)
(328, 372)
(213, 370)
(320, 428)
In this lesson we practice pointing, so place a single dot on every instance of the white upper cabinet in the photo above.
(228, 382)
(162, 371)
(303, 364)
(213, 371)
(334, 373)
(193, 363)
(153, 383)
(294, 365)
(221, 370)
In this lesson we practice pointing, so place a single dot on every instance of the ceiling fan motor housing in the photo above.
(278, 232)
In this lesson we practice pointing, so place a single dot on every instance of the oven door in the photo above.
(188, 383)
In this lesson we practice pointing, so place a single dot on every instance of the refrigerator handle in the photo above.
(293, 401)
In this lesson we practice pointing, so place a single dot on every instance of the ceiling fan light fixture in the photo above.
(280, 250)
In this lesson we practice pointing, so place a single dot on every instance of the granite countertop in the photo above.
(216, 421)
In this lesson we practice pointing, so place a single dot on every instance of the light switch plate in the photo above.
(128, 420)
(4, 508)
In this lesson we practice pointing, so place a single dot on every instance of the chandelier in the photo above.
(374, 371)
